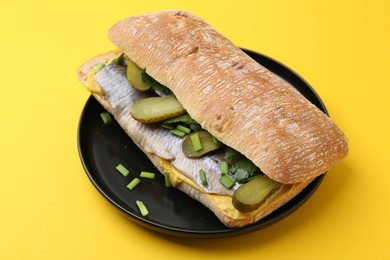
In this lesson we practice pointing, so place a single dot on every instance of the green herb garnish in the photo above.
(106, 117)
(177, 132)
(224, 167)
(196, 143)
(148, 175)
(120, 168)
(166, 126)
(146, 78)
(227, 181)
(184, 120)
(242, 170)
(167, 179)
(99, 67)
(183, 129)
(203, 177)
(217, 142)
(133, 183)
(142, 208)
(232, 155)
(155, 85)
(119, 60)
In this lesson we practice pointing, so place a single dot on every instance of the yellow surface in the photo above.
(50, 210)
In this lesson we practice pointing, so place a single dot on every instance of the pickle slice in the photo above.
(252, 194)
(134, 76)
(155, 109)
(208, 145)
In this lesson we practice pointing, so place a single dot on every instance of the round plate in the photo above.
(102, 147)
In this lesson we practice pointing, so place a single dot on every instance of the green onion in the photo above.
(167, 126)
(227, 181)
(203, 178)
(119, 60)
(99, 67)
(106, 118)
(133, 183)
(183, 129)
(120, 168)
(177, 133)
(224, 167)
(167, 179)
(148, 175)
(142, 208)
(196, 143)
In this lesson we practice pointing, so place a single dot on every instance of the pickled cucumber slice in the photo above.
(208, 145)
(156, 109)
(134, 76)
(252, 194)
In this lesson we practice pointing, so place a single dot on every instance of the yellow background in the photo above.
(50, 210)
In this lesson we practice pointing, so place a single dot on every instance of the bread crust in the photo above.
(237, 100)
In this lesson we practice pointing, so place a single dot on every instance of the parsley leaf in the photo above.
(156, 86)
(241, 168)
(185, 120)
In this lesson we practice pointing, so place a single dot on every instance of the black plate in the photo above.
(103, 147)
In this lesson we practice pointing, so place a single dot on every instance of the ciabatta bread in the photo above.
(237, 100)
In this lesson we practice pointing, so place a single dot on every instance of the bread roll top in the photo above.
(237, 100)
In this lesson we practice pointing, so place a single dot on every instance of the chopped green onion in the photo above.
(142, 208)
(167, 126)
(106, 118)
(167, 179)
(177, 133)
(196, 143)
(203, 178)
(99, 67)
(148, 175)
(227, 181)
(120, 168)
(224, 167)
(119, 60)
(183, 129)
(133, 183)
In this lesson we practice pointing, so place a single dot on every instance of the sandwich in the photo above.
(225, 130)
